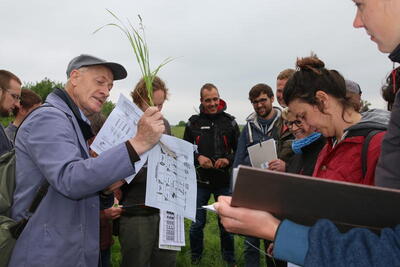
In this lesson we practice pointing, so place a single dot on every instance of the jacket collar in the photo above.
(83, 122)
(395, 55)
(252, 118)
(221, 108)
(58, 103)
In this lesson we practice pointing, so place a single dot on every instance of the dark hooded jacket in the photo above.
(254, 133)
(216, 136)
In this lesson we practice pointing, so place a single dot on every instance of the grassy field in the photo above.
(177, 131)
(212, 252)
(211, 255)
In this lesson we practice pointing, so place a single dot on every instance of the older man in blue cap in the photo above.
(51, 148)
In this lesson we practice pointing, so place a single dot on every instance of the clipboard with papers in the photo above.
(305, 199)
(262, 153)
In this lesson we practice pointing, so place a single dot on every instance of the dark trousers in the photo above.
(138, 236)
(252, 254)
(105, 259)
(196, 228)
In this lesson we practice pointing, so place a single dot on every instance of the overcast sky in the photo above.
(234, 44)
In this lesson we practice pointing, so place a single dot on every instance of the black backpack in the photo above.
(369, 133)
(364, 150)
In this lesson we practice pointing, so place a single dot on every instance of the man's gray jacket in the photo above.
(64, 230)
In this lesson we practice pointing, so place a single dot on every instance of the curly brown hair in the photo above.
(139, 94)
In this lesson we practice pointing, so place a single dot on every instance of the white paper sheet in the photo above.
(172, 230)
(176, 248)
(210, 208)
(234, 176)
(171, 182)
(120, 126)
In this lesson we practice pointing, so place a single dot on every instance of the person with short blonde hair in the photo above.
(281, 81)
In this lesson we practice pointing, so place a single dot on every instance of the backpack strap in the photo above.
(364, 151)
(45, 185)
(41, 106)
(17, 228)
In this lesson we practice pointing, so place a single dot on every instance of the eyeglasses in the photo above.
(261, 100)
(289, 124)
(15, 96)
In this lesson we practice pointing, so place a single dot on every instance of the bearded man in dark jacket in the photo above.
(215, 133)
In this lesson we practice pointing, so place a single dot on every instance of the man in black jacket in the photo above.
(215, 133)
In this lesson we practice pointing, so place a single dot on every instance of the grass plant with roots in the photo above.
(137, 40)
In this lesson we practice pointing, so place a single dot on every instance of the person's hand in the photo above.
(246, 221)
(114, 186)
(205, 162)
(112, 213)
(277, 165)
(117, 195)
(221, 163)
(149, 131)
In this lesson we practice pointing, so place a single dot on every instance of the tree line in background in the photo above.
(46, 86)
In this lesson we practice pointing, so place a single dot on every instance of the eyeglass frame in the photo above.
(13, 95)
(289, 124)
(261, 100)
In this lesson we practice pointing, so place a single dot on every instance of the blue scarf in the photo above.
(297, 145)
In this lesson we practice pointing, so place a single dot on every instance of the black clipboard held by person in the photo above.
(305, 199)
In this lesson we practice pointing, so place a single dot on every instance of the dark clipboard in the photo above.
(304, 199)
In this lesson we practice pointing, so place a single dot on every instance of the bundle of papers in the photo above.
(171, 177)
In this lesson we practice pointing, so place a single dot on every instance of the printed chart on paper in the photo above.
(171, 181)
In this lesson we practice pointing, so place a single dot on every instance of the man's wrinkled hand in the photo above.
(150, 128)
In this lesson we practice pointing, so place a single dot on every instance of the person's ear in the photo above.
(272, 99)
(323, 99)
(74, 76)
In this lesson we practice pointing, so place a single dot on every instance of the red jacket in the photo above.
(343, 162)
